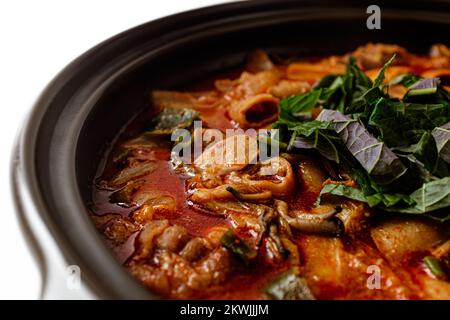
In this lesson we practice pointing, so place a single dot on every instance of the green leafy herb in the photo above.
(170, 119)
(374, 199)
(301, 103)
(238, 247)
(344, 191)
(442, 137)
(380, 77)
(317, 135)
(374, 156)
(430, 196)
(435, 267)
(398, 151)
(408, 80)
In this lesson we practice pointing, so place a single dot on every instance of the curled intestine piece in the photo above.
(252, 185)
(174, 263)
(256, 111)
(224, 156)
(250, 84)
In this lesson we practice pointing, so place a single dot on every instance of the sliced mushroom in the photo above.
(322, 223)
(354, 215)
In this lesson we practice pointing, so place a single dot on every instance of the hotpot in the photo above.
(81, 111)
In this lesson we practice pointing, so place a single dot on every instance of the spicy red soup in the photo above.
(335, 213)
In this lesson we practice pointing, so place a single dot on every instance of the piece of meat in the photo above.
(195, 249)
(314, 71)
(225, 156)
(312, 174)
(134, 170)
(274, 175)
(252, 84)
(159, 201)
(173, 239)
(286, 88)
(184, 100)
(320, 220)
(270, 178)
(334, 270)
(400, 238)
(215, 267)
(439, 50)
(118, 229)
(256, 111)
(148, 236)
(257, 61)
(172, 276)
(372, 55)
(174, 264)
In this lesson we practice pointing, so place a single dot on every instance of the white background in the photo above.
(37, 39)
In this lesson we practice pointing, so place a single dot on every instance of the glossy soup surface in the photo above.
(178, 229)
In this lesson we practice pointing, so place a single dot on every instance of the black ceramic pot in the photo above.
(84, 107)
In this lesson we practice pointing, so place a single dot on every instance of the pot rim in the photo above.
(28, 190)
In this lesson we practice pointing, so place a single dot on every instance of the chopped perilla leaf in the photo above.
(398, 151)
(424, 86)
(373, 155)
(442, 137)
(170, 119)
(238, 246)
(435, 267)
